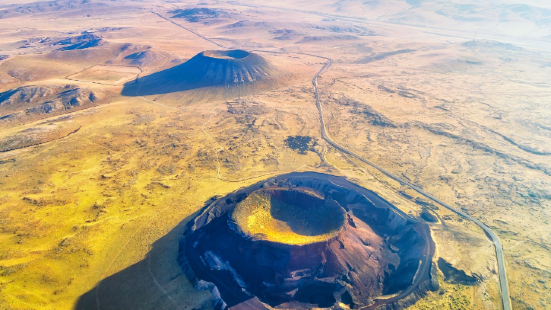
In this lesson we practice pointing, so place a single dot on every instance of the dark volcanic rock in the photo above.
(80, 42)
(363, 248)
(194, 15)
(302, 144)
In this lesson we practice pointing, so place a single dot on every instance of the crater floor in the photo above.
(289, 216)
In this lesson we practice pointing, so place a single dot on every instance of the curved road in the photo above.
(499, 251)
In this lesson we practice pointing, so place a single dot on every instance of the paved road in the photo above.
(499, 250)
(188, 29)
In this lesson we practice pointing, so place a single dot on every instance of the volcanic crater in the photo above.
(214, 68)
(290, 216)
(306, 240)
(226, 68)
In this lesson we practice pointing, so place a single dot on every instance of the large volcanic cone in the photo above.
(301, 241)
(216, 68)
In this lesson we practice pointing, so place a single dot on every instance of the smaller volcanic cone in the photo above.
(225, 68)
(215, 68)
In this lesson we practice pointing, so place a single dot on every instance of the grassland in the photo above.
(110, 75)
(94, 217)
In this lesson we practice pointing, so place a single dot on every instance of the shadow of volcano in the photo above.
(305, 214)
(225, 70)
(156, 282)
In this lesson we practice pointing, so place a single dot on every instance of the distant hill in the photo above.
(30, 102)
(195, 15)
(51, 6)
(313, 39)
(80, 42)
(143, 58)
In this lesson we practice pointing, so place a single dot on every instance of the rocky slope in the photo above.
(219, 68)
(365, 251)
(35, 101)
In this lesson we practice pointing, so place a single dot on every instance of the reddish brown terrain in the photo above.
(358, 253)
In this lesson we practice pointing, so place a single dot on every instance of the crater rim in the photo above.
(296, 216)
(235, 54)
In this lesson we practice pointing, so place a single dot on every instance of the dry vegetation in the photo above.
(94, 196)
(267, 218)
